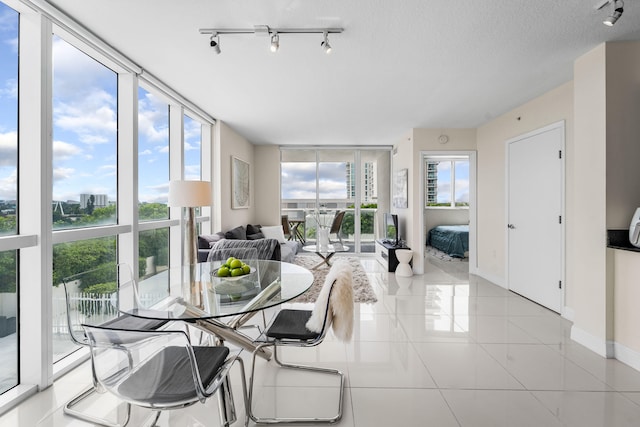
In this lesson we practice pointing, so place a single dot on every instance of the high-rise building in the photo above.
(368, 190)
(432, 182)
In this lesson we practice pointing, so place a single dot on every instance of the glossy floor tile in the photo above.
(441, 349)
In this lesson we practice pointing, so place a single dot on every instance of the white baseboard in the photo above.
(599, 346)
(496, 280)
(627, 356)
(568, 313)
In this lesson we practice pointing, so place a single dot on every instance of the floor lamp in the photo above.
(191, 194)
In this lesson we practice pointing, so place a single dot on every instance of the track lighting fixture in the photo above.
(275, 42)
(215, 43)
(618, 8)
(264, 30)
(325, 43)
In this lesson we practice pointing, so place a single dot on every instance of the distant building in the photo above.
(432, 182)
(368, 188)
(99, 200)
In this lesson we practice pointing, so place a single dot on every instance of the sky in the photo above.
(85, 126)
(8, 101)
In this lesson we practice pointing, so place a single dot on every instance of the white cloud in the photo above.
(61, 174)
(10, 89)
(108, 170)
(9, 185)
(145, 153)
(153, 119)
(63, 150)
(8, 148)
(92, 125)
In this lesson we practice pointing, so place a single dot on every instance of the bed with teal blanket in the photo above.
(450, 239)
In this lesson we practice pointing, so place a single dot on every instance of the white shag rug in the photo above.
(443, 256)
(362, 290)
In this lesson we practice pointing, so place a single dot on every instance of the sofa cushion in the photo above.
(238, 233)
(274, 232)
(255, 236)
(288, 250)
(205, 241)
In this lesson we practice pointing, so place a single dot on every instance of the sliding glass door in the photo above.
(318, 184)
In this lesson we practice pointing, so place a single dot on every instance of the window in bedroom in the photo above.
(447, 182)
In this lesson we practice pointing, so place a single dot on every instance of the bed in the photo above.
(450, 239)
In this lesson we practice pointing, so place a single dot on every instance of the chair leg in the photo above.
(226, 402)
(315, 420)
(70, 411)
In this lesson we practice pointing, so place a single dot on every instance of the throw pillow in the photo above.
(253, 229)
(238, 233)
(255, 236)
(274, 232)
(205, 241)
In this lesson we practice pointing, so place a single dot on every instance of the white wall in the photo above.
(444, 216)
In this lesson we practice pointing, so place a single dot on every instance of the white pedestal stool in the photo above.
(404, 258)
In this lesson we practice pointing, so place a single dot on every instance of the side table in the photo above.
(404, 258)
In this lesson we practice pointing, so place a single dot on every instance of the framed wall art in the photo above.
(240, 191)
(401, 189)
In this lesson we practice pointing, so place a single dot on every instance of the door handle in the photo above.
(511, 226)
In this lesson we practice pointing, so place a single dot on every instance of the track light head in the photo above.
(325, 43)
(275, 42)
(618, 8)
(215, 43)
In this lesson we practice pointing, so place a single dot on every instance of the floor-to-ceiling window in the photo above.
(85, 154)
(315, 184)
(84, 174)
(8, 196)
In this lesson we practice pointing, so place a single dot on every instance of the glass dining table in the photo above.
(217, 305)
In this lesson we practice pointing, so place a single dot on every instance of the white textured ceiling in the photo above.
(398, 65)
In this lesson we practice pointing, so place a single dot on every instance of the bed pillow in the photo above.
(274, 232)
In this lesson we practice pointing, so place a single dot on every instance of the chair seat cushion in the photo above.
(290, 324)
(126, 321)
(166, 378)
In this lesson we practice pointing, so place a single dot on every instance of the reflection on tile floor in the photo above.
(443, 349)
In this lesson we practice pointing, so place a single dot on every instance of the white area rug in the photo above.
(362, 290)
(443, 256)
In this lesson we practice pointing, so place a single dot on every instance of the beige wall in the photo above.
(403, 159)
(551, 107)
(231, 144)
(267, 184)
(623, 132)
(586, 221)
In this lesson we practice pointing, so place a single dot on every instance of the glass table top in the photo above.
(269, 284)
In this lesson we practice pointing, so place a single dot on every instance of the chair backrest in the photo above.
(337, 222)
(334, 305)
(156, 369)
(94, 307)
(285, 225)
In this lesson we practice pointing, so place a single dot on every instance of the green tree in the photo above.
(75, 257)
(8, 271)
(148, 211)
(90, 205)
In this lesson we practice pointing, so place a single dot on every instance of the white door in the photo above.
(534, 217)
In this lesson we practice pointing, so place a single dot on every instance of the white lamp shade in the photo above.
(189, 193)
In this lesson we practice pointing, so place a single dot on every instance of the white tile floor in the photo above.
(442, 349)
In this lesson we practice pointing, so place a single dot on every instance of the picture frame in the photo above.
(401, 189)
(240, 183)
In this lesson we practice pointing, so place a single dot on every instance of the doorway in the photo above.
(448, 198)
(535, 212)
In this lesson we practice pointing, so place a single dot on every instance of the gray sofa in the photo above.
(249, 236)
